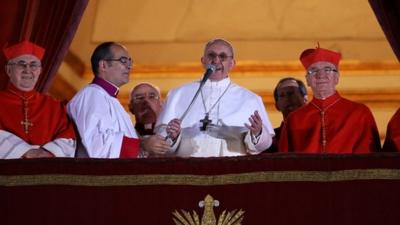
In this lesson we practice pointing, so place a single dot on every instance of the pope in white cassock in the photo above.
(224, 120)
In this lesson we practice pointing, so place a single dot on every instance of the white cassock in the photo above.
(231, 107)
(101, 120)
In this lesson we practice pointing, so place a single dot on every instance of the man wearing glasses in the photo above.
(145, 104)
(225, 119)
(329, 123)
(32, 125)
(104, 126)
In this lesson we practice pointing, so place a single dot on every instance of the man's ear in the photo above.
(102, 64)
(7, 68)
(337, 78)
(233, 63)
(203, 61)
(307, 81)
(305, 99)
(131, 108)
(276, 107)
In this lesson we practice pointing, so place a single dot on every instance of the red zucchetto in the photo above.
(23, 48)
(310, 56)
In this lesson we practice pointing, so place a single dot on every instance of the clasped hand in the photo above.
(37, 153)
(174, 129)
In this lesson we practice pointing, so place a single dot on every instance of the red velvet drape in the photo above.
(11, 19)
(388, 15)
(272, 189)
(51, 24)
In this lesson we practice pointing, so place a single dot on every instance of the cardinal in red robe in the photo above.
(329, 123)
(392, 140)
(32, 125)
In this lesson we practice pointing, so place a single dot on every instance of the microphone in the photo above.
(210, 69)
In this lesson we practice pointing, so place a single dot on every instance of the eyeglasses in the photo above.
(139, 98)
(327, 70)
(123, 60)
(212, 56)
(22, 65)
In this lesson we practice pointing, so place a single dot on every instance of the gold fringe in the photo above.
(200, 180)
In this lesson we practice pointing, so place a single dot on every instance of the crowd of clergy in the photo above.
(210, 117)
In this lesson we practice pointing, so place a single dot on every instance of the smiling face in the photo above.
(24, 71)
(322, 77)
(219, 54)
(114, 70)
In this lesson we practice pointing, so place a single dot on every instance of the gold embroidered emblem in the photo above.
(233, 217)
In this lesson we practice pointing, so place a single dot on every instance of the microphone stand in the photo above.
(209, 71)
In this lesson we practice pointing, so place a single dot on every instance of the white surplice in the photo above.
(14, 147)
(101, 120)
(227, 136)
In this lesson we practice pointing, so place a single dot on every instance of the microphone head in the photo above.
(211, 67)
(209, 71)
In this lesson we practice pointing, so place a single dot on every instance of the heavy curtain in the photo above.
(388, 15)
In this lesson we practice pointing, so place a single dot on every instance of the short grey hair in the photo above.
(219, 40)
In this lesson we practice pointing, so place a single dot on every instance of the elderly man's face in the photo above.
(322, 77)
(145, 103)
(219, 55)
(24, 71)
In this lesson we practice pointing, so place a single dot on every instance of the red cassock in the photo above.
(392, 141)
(47, 117)
(333, 125)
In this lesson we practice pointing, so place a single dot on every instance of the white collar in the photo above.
(218, 84)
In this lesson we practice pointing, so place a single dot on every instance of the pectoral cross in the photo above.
(26, 123)
(205, 122)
